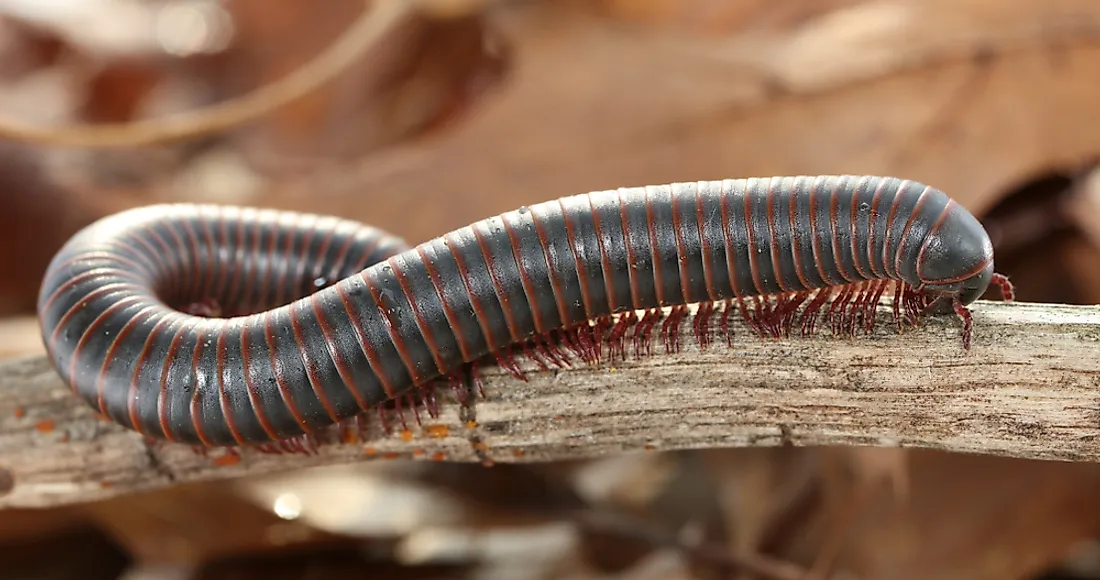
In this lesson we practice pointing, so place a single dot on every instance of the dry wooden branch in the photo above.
(1030, 387)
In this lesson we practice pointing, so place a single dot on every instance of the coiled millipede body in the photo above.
(223, 326)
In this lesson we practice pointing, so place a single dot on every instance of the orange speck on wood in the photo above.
(44, 425)
(418, 452)
(439, 456)
(370, 451)
(517, 452)
(471, 424)
(437, 431)
(406, 435)
(227, 460)
(19, 412)
(390, 455)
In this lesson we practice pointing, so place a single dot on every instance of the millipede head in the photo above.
(957, 257)
(965, 291)
(972, 288)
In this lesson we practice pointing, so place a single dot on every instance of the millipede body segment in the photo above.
(224, 326)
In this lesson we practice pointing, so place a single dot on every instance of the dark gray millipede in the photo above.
(221, 326)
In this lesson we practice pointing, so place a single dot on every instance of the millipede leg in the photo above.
(670, 328)
(617, 337)
(724, 322)
(508, 363)
(384, 420)
(808, 320)
(913, 304)
(532, 354)
(746, 315)
(398, 404)
(583, 337)
(410, 399)
(760, 324)
(428, 396)
(457, 381)
(763, 310)
(835, 313)
(559, 356)
(968, 321)
(1008, 291)
(775, 315)
(791, 310)
(541, 347)
(859, 304)
(361, 424)
(568, 337)
(643, 332)
(872, 307)
(702, 324)
(599, 331)
(898, 286)
(475, 378)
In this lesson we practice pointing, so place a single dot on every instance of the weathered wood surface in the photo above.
(1030, 387)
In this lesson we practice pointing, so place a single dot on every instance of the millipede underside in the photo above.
(845, 310)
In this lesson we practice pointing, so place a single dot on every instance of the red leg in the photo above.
(747, 316)
(835, 314)
(760, 321)
(410, 399)
(808, 320)
(855, 307)
(599, 330)
(592, 347)
(530, 351)
(384, 420)
(398, 406)
(617, 337)
(804, 298)
(476, 378)
(968, 321)
(724, 322)
(1008, 292)
(545, 346)
(670, 329)
(898, 287)
(579, 337)
(508, 363)
(642, 338)
(872, 308)
(701, 324)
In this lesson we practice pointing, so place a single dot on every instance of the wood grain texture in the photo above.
(1029, 388)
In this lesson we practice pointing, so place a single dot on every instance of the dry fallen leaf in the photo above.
(578, 118)
(429, 71)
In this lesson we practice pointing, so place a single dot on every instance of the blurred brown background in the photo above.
(475, 107)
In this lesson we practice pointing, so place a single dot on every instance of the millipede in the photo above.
(222, 326)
